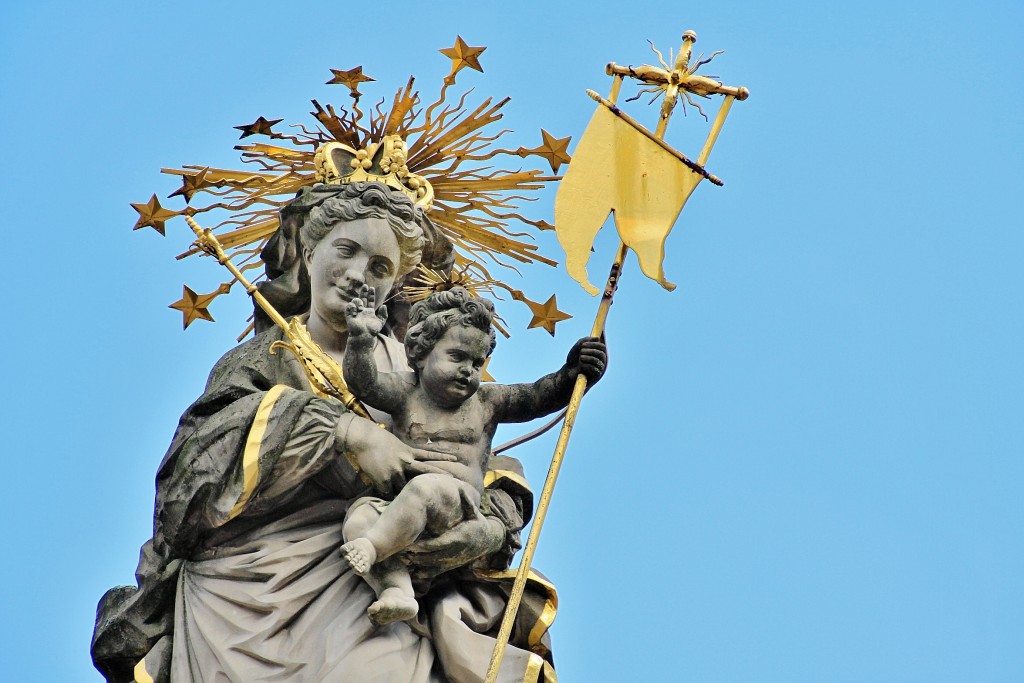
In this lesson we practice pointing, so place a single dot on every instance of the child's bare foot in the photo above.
(393, 605)
(360, 554)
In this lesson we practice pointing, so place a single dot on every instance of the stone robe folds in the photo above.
(243, 582)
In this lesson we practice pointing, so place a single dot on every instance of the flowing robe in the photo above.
(243, 582)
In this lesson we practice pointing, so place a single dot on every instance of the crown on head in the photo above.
(384, 162)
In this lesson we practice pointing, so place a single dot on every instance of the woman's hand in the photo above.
(383, 459)
(465, 542)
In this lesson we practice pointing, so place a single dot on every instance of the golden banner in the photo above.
(616, 168)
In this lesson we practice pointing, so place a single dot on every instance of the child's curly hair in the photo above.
(434, 316)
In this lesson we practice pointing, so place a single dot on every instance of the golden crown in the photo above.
(385, 162)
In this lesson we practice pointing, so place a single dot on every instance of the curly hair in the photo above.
(370, 200)
(434, 316)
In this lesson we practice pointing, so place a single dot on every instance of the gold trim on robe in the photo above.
(251, 455)
(491, 477)
(140, 673)
(533, 669)
(547, 615)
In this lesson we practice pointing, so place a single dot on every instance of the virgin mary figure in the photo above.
(242, 580)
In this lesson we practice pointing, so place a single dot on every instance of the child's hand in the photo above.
(588, 356)
(361, 317)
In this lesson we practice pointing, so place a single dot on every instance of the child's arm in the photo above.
(524, 402)
(382, 390)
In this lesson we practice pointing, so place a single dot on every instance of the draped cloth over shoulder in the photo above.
(242, 580)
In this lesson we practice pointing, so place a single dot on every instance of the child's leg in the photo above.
(429, 501)
(389, 579)
(359, 553)
(396, 601)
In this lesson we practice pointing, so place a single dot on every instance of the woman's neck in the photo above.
(328, 336)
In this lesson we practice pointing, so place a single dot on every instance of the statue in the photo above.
(243, 577)
(439, 406)
(286, 545)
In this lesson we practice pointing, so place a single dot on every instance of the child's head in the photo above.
(450, 336)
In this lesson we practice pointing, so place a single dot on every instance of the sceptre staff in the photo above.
(323, 372)
(644, 214)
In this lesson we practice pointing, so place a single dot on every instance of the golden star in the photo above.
(545, 315)
(193, 306)
(190, 184)
(555, 150)
(352, 78)
(258, 127)
(151, 214)
(463, 55)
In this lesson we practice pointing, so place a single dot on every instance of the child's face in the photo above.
(451, 371)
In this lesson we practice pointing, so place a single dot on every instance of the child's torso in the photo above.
(465, 432)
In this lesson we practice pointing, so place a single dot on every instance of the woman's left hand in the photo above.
(384, 460)
(464, 543)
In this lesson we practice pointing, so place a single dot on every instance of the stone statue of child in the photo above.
(439, 406)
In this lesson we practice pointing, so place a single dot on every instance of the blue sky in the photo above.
(803, 465)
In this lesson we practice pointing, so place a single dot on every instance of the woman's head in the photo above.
(370, 200)
(362, 234)
(304, 224)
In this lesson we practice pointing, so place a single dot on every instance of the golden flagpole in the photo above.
(519, 585)
(680, 78)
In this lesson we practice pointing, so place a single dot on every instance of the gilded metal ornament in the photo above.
(622, 167)
(546, 315)
(441, 155)
(351, 78)
(152, 215)
(462, 55)
(194, 306)
(260, 126)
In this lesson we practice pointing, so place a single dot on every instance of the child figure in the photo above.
(439, 406)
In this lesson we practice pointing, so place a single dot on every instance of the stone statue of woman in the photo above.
(242, 580)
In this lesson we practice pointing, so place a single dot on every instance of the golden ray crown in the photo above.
(386, 162)
(439, 155)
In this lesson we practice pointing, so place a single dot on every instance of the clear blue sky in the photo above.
(804, 465)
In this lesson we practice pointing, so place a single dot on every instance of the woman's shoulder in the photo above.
(255, 347)
(253, 356)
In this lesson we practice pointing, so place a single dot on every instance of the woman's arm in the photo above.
(462, 545)
(253, 440)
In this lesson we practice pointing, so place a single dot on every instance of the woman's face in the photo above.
(353, 253)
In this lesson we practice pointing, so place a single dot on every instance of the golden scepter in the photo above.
(323, 372)
(620, 166)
